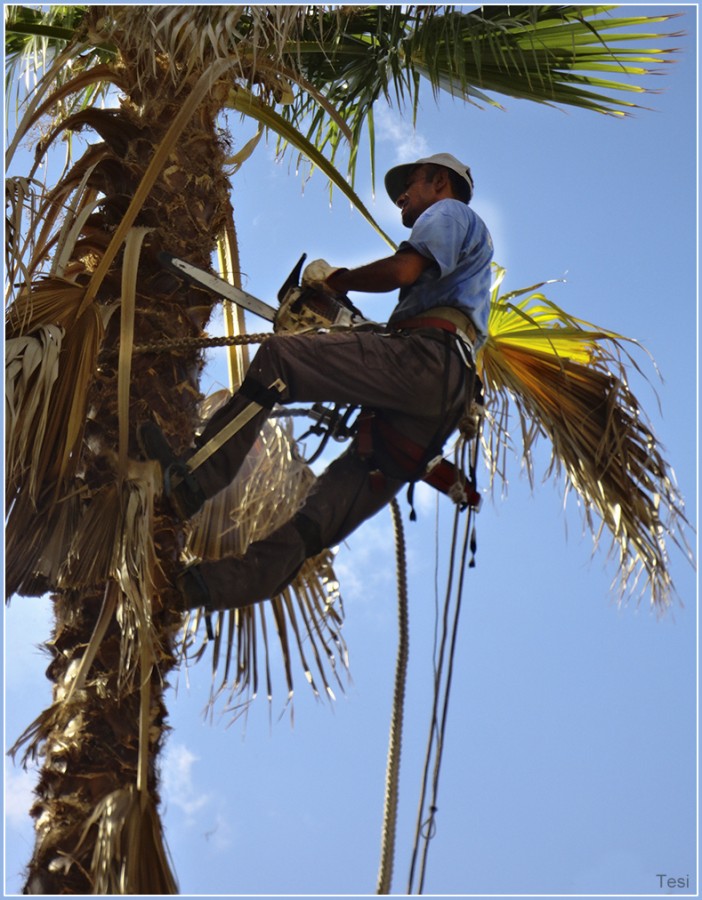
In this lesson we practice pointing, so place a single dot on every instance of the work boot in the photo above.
(180, 487)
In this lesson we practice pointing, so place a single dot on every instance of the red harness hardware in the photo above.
(441, 474)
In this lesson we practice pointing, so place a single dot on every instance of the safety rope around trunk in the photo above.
(187, 343)
(392, 777)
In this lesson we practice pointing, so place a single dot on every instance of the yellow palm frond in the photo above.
(568, 381)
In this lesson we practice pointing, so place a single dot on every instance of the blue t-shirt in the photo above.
(457, 239)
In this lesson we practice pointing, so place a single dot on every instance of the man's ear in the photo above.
(441, 181)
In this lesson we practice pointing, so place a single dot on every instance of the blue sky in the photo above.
(570, 763)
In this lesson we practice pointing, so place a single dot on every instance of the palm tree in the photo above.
(100, 337)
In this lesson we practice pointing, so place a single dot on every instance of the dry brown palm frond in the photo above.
(568, 381)
(84, 539)
(46, 224)
(22, 202)
(269, 489)
(191, 37)
(75, 87)
(37, 540)
(53, 309)
(130, 855)
(111, 543)
(60, 64)
(31, 371)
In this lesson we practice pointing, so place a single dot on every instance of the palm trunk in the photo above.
(99, 741)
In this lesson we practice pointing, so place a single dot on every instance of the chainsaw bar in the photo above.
(218, 286)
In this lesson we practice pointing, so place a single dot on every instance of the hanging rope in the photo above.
(426, 817)
(392, 778)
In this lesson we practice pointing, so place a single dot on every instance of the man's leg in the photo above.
(340, 500)
(413, 378)
(410, 377)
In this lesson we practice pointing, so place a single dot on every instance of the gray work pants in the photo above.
(418, 380)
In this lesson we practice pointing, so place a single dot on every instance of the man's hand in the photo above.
(397, 271)
(315, 275)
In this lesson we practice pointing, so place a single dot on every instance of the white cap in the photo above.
(396, 178)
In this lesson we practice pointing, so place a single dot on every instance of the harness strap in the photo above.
(440, 473)
(466, 338)
(266, 398)
(426, 322)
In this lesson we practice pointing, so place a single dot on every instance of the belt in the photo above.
(446, 318)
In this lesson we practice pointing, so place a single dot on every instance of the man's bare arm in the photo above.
(397, 271)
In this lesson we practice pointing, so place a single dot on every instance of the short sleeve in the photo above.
(441, 233)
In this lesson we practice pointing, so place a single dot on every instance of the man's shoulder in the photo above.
(449, 217)
(448, 208)
(451, 207)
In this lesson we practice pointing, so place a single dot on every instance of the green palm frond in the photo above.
(568, 381)
(325, 67)
(553, 55)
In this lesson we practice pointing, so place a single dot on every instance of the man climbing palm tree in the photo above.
(417, 375)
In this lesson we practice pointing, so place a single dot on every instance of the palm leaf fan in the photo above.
(268, 490)
(568, 381)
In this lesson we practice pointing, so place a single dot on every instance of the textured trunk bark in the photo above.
(89, 747)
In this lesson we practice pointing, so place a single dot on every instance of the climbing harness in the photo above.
(392, 454)
(391, 451)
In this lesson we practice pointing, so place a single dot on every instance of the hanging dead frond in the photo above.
(568, 382)
(109, 540)
(268, 490)
(61, 375)
(130, 854)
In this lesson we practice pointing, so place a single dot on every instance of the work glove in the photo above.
(315, 275)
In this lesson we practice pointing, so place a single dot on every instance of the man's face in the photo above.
(418, 195)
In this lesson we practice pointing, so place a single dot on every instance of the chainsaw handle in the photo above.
(293, 279)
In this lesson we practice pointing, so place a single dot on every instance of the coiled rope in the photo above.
(392, 777)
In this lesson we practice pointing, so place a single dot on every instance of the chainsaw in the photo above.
(300, 309)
